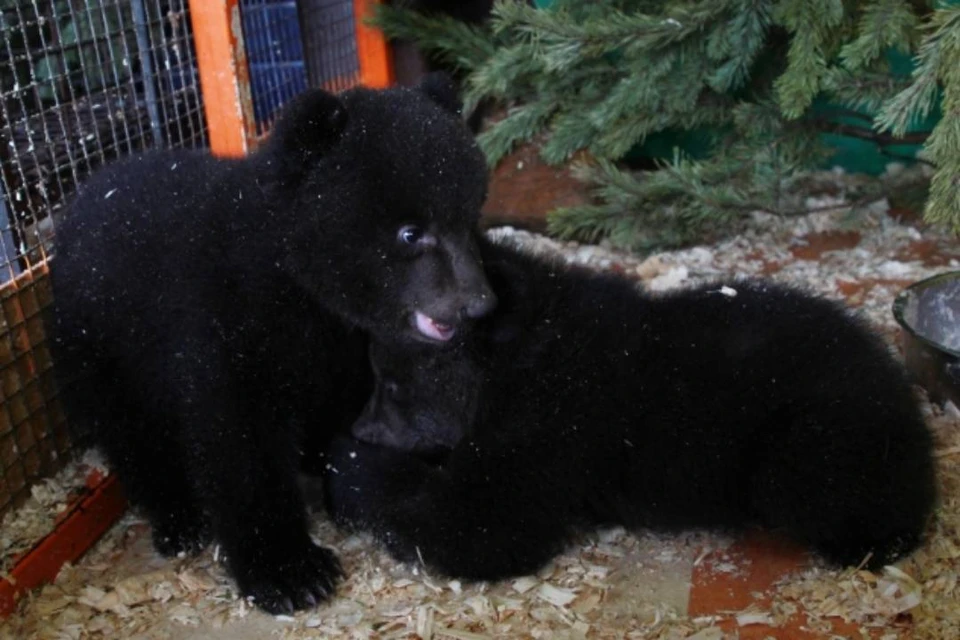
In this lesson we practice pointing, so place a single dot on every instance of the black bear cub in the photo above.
(583, 402)
(211, 316)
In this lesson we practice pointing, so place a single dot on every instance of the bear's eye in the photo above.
(410, 234)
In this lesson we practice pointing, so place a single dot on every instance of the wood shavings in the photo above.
(730, 292)
(949, 451)
(555, 595)
(522, 585)
(587, 602)
(425, 622)
(951, 410)
(185, 615)
(460, 634)
(711, 633)
(748, 617)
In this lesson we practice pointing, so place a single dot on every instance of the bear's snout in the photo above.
(480, 304)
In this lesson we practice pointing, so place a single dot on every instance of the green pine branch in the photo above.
(867, 90)
(943, 147)
(737, 43)
(883, 24)
(603, 76)
(809, 24)
(448, 40)
(917, 100)
(522, 124)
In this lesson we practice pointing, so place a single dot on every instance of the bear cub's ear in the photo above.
(441, 88)
(309, 125)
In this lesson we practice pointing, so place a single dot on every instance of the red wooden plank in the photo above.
(82, 524)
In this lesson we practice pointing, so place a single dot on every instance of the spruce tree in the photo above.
(759, 81)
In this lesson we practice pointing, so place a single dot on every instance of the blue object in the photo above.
(271, 34)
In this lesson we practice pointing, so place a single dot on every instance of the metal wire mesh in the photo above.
(330, 43)
(292, 44)
(81, 82)
(271, 34)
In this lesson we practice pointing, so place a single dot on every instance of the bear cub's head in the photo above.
(424, 400)
(379, 195)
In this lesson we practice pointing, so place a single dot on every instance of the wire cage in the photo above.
(273, 43)
(81, 82)
(291, 45)
(330, 43)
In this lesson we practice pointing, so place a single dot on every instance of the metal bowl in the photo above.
(929, 315)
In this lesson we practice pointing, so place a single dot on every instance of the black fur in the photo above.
(602, 405)
(210, 314)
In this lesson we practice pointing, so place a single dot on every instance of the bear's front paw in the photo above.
(301, 579)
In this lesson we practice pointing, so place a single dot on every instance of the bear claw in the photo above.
(285, 587)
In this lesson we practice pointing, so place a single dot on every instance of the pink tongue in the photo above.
(433, 329)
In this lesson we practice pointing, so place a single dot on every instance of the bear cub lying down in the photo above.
(211, 315)
(582, 402)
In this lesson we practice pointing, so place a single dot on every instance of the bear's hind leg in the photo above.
(142, 448)
(855, 484)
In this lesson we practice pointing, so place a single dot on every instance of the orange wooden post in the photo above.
(224, 76)
(373, 51)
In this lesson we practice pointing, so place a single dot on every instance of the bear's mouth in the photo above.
(432, 328)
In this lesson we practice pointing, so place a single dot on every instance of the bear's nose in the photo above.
(480, 305)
